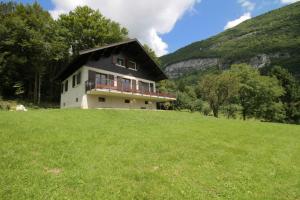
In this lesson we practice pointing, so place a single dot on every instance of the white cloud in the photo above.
(288, 1)
(247, 5)
(236, 22)
(145, 20)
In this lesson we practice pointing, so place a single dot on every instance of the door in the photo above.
(143, 87)
(126, 84)
(101, 79)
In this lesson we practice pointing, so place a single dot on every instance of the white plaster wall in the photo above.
(68, 99)
(119, 102)
(85, 101)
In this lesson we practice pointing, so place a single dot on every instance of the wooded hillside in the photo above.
(275, 33)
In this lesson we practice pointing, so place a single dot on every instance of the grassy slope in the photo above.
(276, 31)
(109, 154)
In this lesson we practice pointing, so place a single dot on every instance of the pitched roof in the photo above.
(107, 46)
(83, 57)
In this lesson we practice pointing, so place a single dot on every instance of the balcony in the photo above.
(107, 87)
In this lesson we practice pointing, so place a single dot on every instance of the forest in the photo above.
(239, 92)
(34, 47)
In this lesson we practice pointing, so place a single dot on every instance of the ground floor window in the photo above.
(101, 99)
(127, 101)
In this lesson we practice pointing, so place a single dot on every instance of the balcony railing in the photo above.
(123, 88)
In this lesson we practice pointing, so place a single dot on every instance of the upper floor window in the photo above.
(62, 88)
(76, 79)
(151, 87)
(143, 86)
(121, 62)
(132, 65)
(124, 84)
(66, 86)
(101, 79)
(73, 81)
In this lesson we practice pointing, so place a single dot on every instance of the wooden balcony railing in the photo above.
(109, 85)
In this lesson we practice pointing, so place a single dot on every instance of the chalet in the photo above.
(120, 75)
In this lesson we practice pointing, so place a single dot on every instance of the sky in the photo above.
(167, 25)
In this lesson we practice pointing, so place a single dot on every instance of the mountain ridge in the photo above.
(266, 40)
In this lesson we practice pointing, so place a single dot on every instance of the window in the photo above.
(62, 88)
(101, 99)
(132, 65)
(76, 99)
(73, 80)
(151, 87)
(120, 62)
(101, 79)
(143, 86)
(78, 78)
(146, 102)
(126, 83)
(66, 86)
(127, 101)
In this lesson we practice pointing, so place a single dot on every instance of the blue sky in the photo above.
(167, 25)
(210, 19)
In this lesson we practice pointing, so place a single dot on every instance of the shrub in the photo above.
(197, 105)
(206, 110)
(231, 110)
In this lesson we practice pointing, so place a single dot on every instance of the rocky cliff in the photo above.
(261, 60)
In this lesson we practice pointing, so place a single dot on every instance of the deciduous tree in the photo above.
(88, 28)
(218, 89)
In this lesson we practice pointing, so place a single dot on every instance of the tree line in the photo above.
(241, 91)
(34, 47)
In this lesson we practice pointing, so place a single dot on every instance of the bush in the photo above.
(231, 110)
(206, 110)
(183, 101)
(274, 112)
(5, 105)
(197, 105)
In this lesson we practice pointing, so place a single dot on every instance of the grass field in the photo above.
(110, 154)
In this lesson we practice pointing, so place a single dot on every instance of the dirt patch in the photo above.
(54, 171)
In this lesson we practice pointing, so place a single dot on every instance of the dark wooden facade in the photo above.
(105, 58)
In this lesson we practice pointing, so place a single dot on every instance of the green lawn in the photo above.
(111, 154)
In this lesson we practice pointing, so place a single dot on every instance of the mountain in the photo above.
(267, 40)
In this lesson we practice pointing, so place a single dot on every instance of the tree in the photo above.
(218, 89)
(291, 98)
(34, 47)
(88, 28)
(231, 110)
(258, 95)
(152, 54)
(28, 45)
